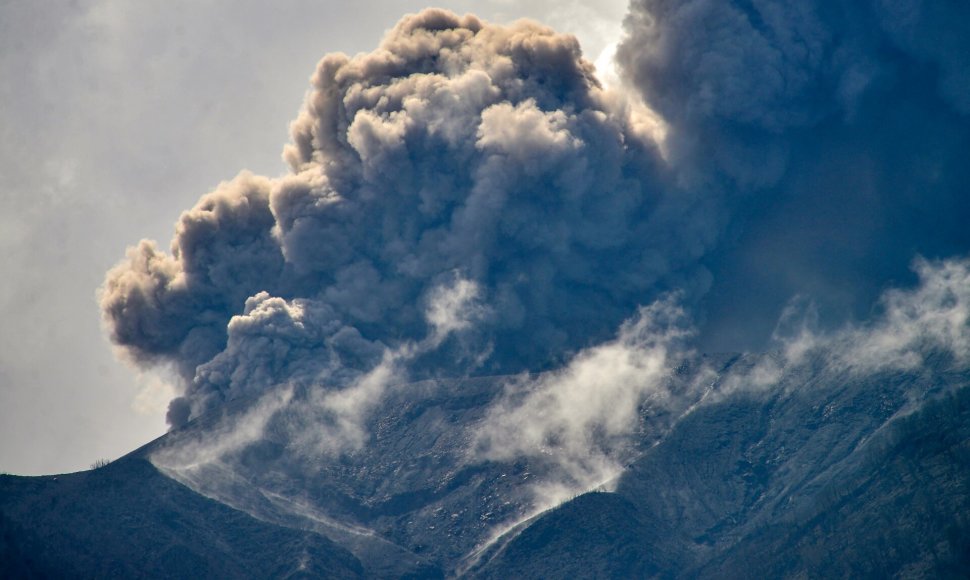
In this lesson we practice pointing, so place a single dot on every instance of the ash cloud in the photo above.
(456, 150)
(753, 74)
(834, 131)
(468, 199)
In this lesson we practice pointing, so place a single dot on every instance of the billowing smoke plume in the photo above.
(469, 200)
(742, 83)
(460, 164)
(836, 132)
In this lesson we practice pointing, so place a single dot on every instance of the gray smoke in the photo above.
(813, 150)
(457, 150)
(836, 132)
(468, 199)
(752, 74)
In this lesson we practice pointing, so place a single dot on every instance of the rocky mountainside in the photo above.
(833, 478)
(126, 520)
(826, 473)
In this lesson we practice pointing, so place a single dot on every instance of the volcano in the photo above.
(461, 335)
(827, 474)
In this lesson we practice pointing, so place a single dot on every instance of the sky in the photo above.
(114, 118)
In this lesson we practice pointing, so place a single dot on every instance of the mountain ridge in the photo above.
(777, 477)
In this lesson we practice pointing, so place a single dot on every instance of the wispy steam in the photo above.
(931, 319)
(582, 417)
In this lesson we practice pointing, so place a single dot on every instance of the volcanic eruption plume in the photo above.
(465, 181)
(468, 200)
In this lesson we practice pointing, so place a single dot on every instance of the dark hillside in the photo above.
(127, 520)
(597, 535)
(902, 510)
(828, 474)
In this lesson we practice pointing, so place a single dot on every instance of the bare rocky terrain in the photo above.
(827, 474)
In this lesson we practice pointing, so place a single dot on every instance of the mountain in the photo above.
(126, 520)
(826, 478)
(826, 473)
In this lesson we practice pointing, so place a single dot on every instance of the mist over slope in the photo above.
(813, 482)
(828, 472)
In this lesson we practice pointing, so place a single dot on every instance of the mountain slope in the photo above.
(903, 508)
(126, 520)
(830, 476)
(828, 472)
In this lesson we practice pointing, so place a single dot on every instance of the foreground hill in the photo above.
(126, 520)
(829, 473)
